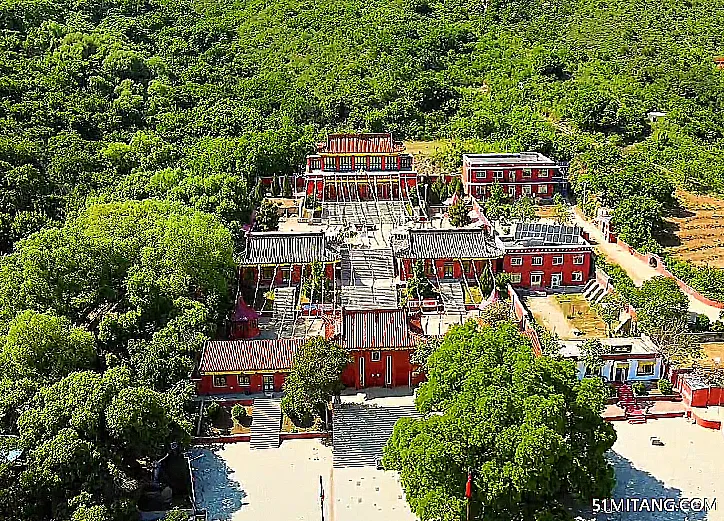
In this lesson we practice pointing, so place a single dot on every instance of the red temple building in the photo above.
(448, 254)
(354, 167)
(282, 260)
(245, 366)
(380, 344)
(526, 174)
(541, 256)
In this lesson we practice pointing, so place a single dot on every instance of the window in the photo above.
(448, 271)
(515, 278)
(543, 173)
(466, 267)
(645, 369)
(345, 163)
(391, 163)
(578, 259)
(376, 356)
(375, 163)
(360, 163)
(267, 273)
(219, 381)
(536, 279)
(405, 163)
(527, 173)
(497, 174)
(516, 261)
(244, 380)
(527, 189)
(577, 276)
(286, 273)
(429, 270)
(537, 261)
(558, 260)
(316, 164)
(511, 191)
(542, 189)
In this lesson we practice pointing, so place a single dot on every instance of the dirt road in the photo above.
(637, 269)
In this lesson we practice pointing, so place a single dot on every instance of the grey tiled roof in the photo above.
(287, 248)
(377, 329)
(450, 244)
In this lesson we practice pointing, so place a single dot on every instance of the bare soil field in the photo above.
(423, 148)
(564, 314)
(700, 229)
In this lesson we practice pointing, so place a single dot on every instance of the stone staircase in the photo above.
(267, 424)
(593, 292)
(360, 432)
(627, 401)
(283, 311)
(453, 297)
(372, 264)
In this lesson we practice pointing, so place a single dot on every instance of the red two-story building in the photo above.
(526, 174)
(353, 167)
(539, 255)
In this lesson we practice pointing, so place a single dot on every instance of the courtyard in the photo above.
(235, 483)
(568, 315)
(688, 465)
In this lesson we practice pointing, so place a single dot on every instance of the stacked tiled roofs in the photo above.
(287, 248)
(449, 244)
(226, 356)
(380, 143)
(376, 329)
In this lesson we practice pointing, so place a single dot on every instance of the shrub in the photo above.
(665, 386)
(238, 412)
(639, 388)
(213, 410)
(701, 324)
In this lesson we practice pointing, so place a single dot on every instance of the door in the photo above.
(388, 371)
(511, 191)
(556, 280)
(361, 371)
(268, 383)
(621, 372)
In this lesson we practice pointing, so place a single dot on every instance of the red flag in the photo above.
(469, 486)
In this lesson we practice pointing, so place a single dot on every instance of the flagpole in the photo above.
(321, 496)
(468, 493)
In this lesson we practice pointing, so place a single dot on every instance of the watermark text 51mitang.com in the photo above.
(652, 504)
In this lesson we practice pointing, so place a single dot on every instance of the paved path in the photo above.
(638, 270)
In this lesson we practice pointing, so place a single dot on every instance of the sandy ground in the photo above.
(368, 494)
(235, 483)
(638, 270)
(549, 313)
(689, 465)
(701, 234)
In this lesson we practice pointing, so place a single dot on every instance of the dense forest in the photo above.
(133, 135)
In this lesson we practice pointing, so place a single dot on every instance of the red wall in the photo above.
(206, 386)
(401, 369)
(567, 268)
(712, 396)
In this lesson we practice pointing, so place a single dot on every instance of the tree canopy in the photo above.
(529, 431)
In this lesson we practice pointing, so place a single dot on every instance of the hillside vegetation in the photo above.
(133, 135)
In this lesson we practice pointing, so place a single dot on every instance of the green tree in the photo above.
(419, 286)
(609, 309)
(523, 210)
(267, 217)
(560, 210)
(592, 351)
(527, 428)
(315, 377)
(637, 219)
(42, 345)
(458, 214)
(497, 205)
